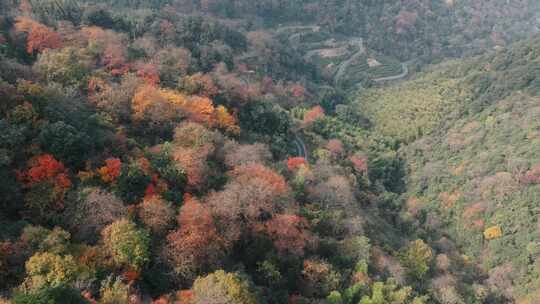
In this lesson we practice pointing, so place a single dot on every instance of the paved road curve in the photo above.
(345, 64)
(404, 73)
(301, 149)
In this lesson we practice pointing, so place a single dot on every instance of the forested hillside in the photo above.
(470, 137)
(408, 28)
(198, 152)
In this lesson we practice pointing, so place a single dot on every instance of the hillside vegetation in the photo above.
(471, 136)
(196, 152)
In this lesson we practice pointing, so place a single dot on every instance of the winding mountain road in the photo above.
(344, 65)
(342, 69)
(404, 73)
(301, 149)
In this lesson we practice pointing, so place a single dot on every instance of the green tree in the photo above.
(39, 239)
(334, 298)
(114, 292)
(132, 182)
(49, 269)
(223, 288)
(68, 66)
(128, 245)
(65, 142)
(50, 295)
(417, 258)
(175, 176)
(51, 10)
(389, 293)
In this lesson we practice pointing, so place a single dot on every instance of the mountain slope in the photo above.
(470, 134)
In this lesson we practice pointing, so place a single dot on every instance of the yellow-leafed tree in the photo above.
(493, 232)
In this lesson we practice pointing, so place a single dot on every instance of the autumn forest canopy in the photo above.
(269, 151)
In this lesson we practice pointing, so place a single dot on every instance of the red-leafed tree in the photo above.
(47, 181)
(289, 233)
(360, 164)
(149, 73)
(196, 246)
(45, 168)
(115, 60)
(532, 176)
(185, 297)
(298, 92)
(38, 36)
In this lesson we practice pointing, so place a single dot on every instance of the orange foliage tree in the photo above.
(225, 121)
(47, 181)
(166, 105)
(313, 115)
(196, 246)
(294, 163)
(288, 233)
(111, 171)
(267, 177)
(39, 37)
